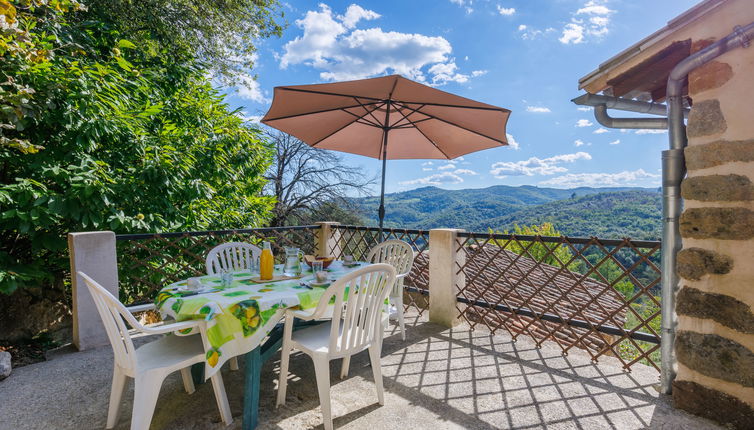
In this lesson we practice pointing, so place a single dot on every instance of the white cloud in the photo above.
(464, 172)
(648, 131)
(426, 169)
(427, 163)
(506, 11)
(331, 44)
(447, 166)
(615, 142)
(454, 177)
(572, 33)
(536, 166)
(578, 142)
(512, 142)
(356, 13)
(249, 89)
(583, 123)
(625, 178)
(584, 108)
(591, 20)
(538, 109)
(465, 4)
(601, 131)
(528, 33)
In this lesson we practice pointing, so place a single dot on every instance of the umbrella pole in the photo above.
(382, 192)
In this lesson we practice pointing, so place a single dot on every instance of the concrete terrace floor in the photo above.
(437, 379)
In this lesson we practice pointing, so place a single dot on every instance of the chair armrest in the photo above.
(302, 315)
(141, 308)
(173, 327)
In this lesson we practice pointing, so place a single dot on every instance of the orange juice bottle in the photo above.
(266, 262)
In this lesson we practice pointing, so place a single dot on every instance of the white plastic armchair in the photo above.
(233, 256)
(151, 363)
(355, 325)
(400, 255)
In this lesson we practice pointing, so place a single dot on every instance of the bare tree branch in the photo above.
(309, 183)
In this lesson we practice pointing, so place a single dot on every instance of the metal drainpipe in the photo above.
(600, 114)
(673, 171)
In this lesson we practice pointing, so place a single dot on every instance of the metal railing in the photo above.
(149, 261)
(357, 241)
(598, 295)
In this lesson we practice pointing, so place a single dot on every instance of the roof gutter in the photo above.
(673, 171)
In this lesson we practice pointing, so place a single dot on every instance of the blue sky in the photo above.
(524, 55)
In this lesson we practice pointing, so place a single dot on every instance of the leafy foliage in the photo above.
(222, 34)
(108, 135)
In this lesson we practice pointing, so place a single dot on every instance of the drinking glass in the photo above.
(348, 259)
(317, 266)
(254, 266)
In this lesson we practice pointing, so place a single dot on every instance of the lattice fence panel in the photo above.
(602, 296)
(357, 241)
(148, 262)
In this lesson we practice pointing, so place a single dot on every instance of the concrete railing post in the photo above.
(327, 244)
(444, 281)
(94, 254)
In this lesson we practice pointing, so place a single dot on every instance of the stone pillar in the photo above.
(327, 244)
(94, 254)
(715, 336)
(444, 281)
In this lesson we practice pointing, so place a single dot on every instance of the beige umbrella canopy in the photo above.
(388, 118)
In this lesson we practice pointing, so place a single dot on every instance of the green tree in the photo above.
(552, 253)
(102, 133)
(223, 34)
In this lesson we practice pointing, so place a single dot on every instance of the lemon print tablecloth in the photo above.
(241, 315)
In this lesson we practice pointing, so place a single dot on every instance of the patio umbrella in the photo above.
(388, 118)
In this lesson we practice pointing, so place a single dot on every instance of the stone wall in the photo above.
(715, 339)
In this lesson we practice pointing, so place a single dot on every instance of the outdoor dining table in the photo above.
(243, 318)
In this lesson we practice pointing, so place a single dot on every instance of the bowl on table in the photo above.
(326, 261)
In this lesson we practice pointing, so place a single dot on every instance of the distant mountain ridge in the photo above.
(585, 211)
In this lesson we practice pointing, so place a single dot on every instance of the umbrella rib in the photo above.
(339, 129)
(456, 125)
(498, 109)
(366, 121)
(376, 120)
(320, 111)
(422, 133)
(406, 117)
(327, 93)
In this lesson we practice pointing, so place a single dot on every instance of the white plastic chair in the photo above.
(356, 324)
(232, 256)
(151, 363)
(400, 255)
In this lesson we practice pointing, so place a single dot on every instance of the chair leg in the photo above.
(222, 398)
(399, 309)
(188, 381)
(322, 371)
(233, 363)
(374, 359)
(116, 393)
(146, 391)
(345, 366)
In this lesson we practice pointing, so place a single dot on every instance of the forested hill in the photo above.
(602, 212)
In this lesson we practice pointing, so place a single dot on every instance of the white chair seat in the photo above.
(315, 339)
(170, 351)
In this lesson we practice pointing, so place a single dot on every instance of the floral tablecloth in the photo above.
(241, 315)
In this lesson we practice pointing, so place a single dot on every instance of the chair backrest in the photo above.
(114, 316)
(233, 256)
(396, 253)
(358, 300)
